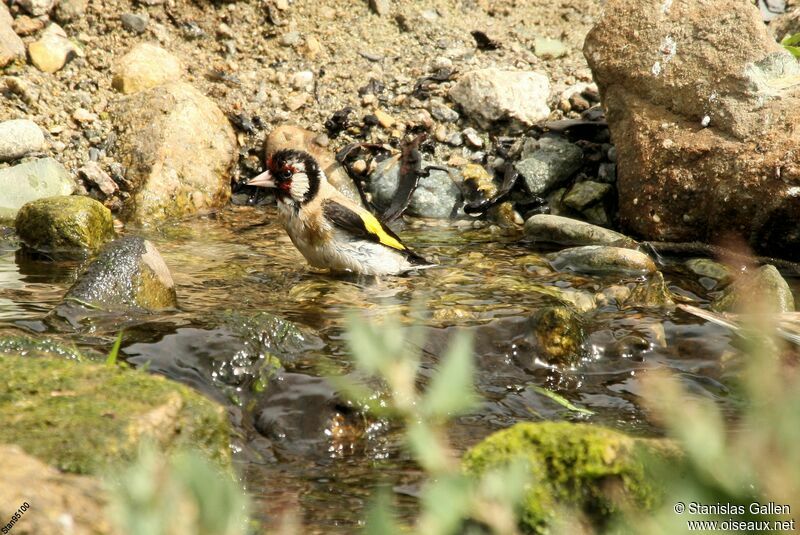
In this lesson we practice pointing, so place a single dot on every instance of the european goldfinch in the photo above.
(330, 230)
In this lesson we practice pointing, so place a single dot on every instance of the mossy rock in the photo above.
(653, 293)
(585, 468)
(558, 335)
(82, 417)
(37, 347)
(764, 290)
(68, 225)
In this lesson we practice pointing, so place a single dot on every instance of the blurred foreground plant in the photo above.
(452, 501)
(183, 494)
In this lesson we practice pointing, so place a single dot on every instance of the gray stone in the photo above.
(554, 161)
(603, 259)
(764, 290)
(18, 138)
(597, 215)
(134, 23)
(436, 196)
(11, 46)
(565, 231)
(29, 181)
(585, 194)
(492, 95)
(607, 172)
(443, 113)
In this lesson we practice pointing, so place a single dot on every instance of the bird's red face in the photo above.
(293, 174)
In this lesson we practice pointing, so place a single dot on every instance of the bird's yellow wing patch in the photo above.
(375, 227)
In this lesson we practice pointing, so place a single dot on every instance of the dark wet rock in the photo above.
(134, 23)
(18, 138)
(566, 231)
(56, 499)
(597, 215)
(763, 290)
(603, 259)
(67, 225)
(32, 180)
(585, 194)
(714, 272)
(11, 46)
(53, 50)
(554, 161)
(594, 470)
(81, 417)
(651, 293)
(557, 335)
(173, 168)
(702, 160)
(607, 172)
(70, 10)
(436, 196)
(127, 276)
(493, 95)
(145, 66)
(294, 137)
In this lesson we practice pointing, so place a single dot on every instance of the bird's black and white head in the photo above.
(294, 175)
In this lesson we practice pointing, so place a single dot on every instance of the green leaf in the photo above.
(561, 400)
(426, 448)
(446, 504)
(791, 40)
(111, 359)
(795, 50)
(380, 516)
(451, 391)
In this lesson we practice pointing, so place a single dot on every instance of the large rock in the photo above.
(578, 467)
(18, 138)
(666, 69)
(70, 225)
(178, 150)
(436, 196)
(294, 137)
(29, 181)
(55, 499)
(603, 259)
(145, 66)
(760, 291)
(82, 417)
(11, 46)
(491, 96)
(566, 231)
(129, 275)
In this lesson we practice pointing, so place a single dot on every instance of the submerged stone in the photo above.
(590, 468)
(601, 259)
(567, 231)
(128, 275)
(557, 334)
(82, 417)
(764, 290)
(709, 269)
(69, 224)
(651, 293)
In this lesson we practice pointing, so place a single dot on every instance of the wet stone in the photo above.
(714, 272)
(651, 293)
(557, 335)
(601, 259)
(584, 194)
(68, 225)
(566, 231)
(762, 290)
(552, 163)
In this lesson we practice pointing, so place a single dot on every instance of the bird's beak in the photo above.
(264, 180)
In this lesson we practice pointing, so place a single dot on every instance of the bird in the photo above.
(331, 231)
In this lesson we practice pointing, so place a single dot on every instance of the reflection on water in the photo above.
(248, 301)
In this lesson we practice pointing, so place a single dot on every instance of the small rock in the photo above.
(25, 90)
(37, 8)
(225, 32)
(18, 138)
(584, 194)
(145, 66)
(557, 335)
(128, 275)
(283, 5)
(24, 25)
(472, 138)
(384, 119)
(565, 231)
(134, 23)
(83, 115)
(72, 225)
(603, 259)
(95, 176)
(763, 290)
(295, 102)
(607, 172)
(11, 46)
(302, 79)
(714, 272)
(443, 113)
(312, 47)
(290, 39)
(492, 95)
(436, 195)
(651, 293)
(380, 7)
(70, 10)
(440, 134)
(547, 48)
(359, 167)
(553, 162)
(455, 139)
(52, 51)
(597, 215)
(32, 180)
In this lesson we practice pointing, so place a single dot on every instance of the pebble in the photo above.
(70, 10)
(547, 48)
(566, 231)
(607, 172)
(302, 79)
(52, 51)
(554, 161)
(94, 175)
(312, 47)
(82, 115)
(584, 194)
(440, 63)
(472, 138)
(18, 138)
(601, 259)
(145, 66)
(37, 8)
(290, 39)
(440, 134)
(384, 119)
(134, 23)
(380, 7)
(295, 102)
(443, 113)
(359, 167)
(24, 25)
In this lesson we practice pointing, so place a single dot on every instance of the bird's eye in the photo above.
(286, 174)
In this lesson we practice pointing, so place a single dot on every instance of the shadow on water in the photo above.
(257, 330)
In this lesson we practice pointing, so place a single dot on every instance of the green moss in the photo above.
(582, 467)
(65, 224)
(83, 417)
(41, 347)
